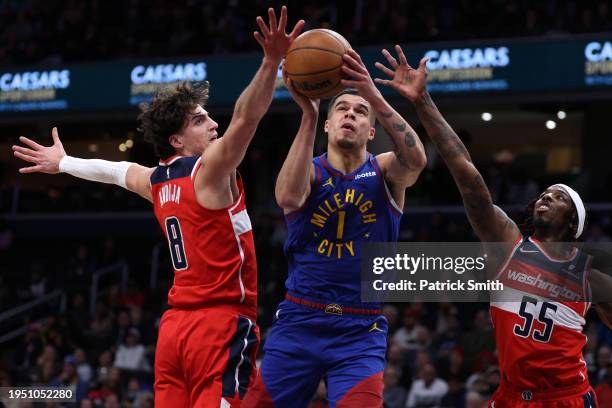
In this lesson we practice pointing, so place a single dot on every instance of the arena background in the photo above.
(83, 266)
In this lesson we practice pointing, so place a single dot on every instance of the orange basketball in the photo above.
(313, 63)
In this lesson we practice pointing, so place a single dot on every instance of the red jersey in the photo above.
(539, 339)
(213, 253)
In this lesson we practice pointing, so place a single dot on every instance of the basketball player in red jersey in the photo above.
(205, 355)
(539, 335)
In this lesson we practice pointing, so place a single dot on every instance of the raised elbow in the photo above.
(420, 161)
(287, 202)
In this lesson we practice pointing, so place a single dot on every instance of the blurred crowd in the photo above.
(55, 31)
(439, 354)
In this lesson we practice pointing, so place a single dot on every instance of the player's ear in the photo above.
(372, 133)
(175, 141)
(326, 126)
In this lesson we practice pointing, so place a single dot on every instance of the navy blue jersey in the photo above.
(324, 237)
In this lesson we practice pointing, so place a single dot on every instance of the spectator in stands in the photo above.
(394, 395)
(428, 390)
(474, 400)
(480, 338)
(604, 389)
(455, 397)
(604, 358)
(406, 336)
(83, 367)
(69, 378)
(131, 355)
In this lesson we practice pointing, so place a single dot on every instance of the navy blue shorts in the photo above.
(306, 345)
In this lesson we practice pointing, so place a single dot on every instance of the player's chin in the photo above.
(345, 143)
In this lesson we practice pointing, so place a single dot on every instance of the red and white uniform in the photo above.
(205, 355)
(538, 319)
(213, 253)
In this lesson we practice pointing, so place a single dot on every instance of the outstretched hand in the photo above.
(273, 38)
(358, 76)
(409, 82)
(45, 158)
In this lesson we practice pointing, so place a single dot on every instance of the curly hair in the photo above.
(167, 114)
(528, 227)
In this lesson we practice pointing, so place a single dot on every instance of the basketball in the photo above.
(313, 63)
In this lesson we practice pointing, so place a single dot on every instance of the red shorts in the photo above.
(581, 396)
(204, 357)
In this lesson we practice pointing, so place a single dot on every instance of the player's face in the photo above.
(553, 206)
(199, 132)
(348, 124)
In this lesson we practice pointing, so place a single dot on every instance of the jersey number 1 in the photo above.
(542, 336)
(175, 241)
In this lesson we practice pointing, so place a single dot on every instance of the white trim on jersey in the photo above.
(241, 223)
(564, 316)
(171, 161)
(390, 197)
(552, 259)
(246, 343)
(195, 166)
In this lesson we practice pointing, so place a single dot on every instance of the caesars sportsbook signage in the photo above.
(500, 67)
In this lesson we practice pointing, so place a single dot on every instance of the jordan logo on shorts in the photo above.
(375, 327)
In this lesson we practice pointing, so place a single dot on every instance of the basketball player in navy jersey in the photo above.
(333, 203)
(538, 333)
(205, 354)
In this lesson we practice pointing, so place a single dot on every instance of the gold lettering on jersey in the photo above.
(338, 200)
(337, 204)
(169, 192)
(336, 249)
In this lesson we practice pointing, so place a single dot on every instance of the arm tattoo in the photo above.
(401, 159)
(476, 199)
(399, 127)
(386, 115)
(409, 139)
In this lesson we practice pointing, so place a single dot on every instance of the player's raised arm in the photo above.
(222, 158)
(53, 159)
(402, 166)
(297, 174)
(489, 222)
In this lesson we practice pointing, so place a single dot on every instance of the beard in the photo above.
(346, 144)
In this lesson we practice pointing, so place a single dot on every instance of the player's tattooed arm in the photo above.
(489, 221)
(408, 158)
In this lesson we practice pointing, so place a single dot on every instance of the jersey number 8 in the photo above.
(175, 241)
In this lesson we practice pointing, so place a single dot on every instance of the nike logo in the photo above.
(528, 251)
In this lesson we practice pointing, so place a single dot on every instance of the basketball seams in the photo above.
(317, 49)
(318, 53)
(315, 73)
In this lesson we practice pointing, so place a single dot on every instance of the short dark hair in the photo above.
(167, 113)
(349, 91)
